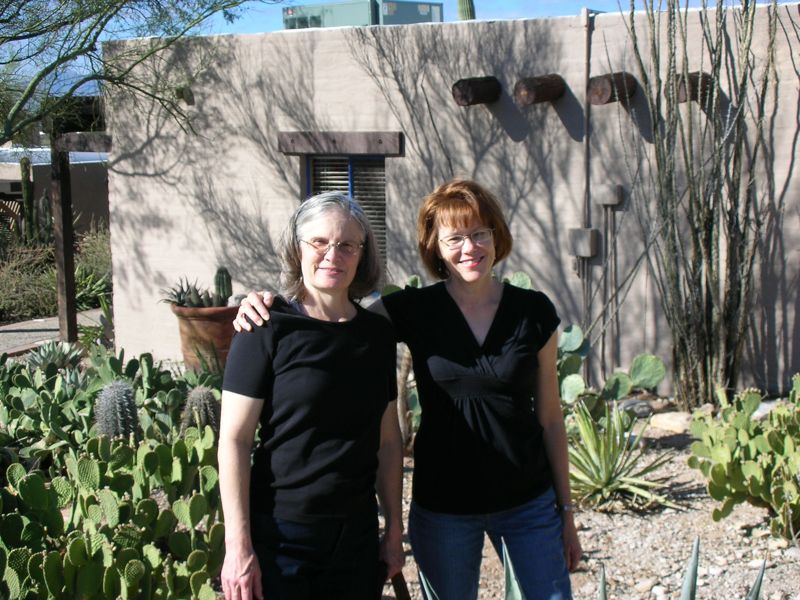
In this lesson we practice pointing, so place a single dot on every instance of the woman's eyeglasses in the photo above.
(478, 238)
(323, 246)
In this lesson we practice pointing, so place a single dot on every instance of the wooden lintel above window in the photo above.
(377, 143)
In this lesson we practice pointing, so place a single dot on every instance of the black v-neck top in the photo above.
(479, 448)
(326, 386)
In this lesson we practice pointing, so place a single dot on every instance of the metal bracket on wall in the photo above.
(583, 242)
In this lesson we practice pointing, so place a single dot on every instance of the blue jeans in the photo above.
(447, 548)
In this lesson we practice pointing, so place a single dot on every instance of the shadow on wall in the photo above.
(236, 117)
(772, 344)
(522, 155)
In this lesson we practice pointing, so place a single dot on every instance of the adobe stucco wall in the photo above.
(182, 204)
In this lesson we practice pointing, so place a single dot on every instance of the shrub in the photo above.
(746, 460)
(94, 252)
(28, 281)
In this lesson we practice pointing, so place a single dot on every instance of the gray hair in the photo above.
(370, 270)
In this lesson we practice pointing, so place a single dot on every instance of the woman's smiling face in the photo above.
(330, 268)
(465, 258)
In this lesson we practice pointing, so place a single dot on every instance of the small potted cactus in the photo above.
(204, 320)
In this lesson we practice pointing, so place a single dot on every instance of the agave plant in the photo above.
(60, 354)
(606, 461)
(513, 590)
(689, 587)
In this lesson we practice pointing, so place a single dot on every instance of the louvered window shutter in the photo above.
(363, 178)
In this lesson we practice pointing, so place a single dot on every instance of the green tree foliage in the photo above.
(51, 51)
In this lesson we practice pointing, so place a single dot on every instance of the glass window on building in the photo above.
(364, 178)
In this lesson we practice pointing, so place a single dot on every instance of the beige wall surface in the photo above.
(181, 204)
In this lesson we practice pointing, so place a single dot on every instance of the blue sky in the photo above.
(260, 17)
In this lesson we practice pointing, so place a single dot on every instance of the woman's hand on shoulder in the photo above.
(241, 575)
(255, 306)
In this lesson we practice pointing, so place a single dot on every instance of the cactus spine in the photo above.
(115, 410)
(466, 10)
(222, 287)
(201, 409)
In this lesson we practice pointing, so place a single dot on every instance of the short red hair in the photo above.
(456, 203)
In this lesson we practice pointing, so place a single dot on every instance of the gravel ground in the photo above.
(645, 554)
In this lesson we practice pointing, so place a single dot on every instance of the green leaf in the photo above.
(571, 338)
(76, 552)
(180, 544)
(88, 473)
(617, 386)
(14, 474)
(32, 491)
(512, 587)
(63, 490)
(572, 387)
(133, 573)
(146, 512)
(521, 280)
(52, 573)
(90, 580)
(647, 371)
(689, 588)
(426, 586)
(755, 591)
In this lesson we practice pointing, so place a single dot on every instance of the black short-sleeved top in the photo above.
(479, 448)
(326, 386)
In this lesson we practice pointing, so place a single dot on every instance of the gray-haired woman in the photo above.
(301, 522)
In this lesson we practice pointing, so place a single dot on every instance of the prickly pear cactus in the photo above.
(750, 460)
(115, 410)
(202, 408)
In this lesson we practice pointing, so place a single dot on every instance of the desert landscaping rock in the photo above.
(675, 422)
(645, 553)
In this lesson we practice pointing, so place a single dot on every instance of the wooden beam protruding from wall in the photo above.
(542, 88)
(695, 86)
(612, 87)
(476, 90)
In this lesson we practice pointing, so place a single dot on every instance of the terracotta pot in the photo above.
(206, 334)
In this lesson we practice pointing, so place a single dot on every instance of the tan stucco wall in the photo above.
(183, 204)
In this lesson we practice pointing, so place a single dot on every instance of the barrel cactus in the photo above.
(115, 410)
(202, 408)
(223, 288)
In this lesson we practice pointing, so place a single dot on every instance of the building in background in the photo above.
(88, 176)
(361, 13)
